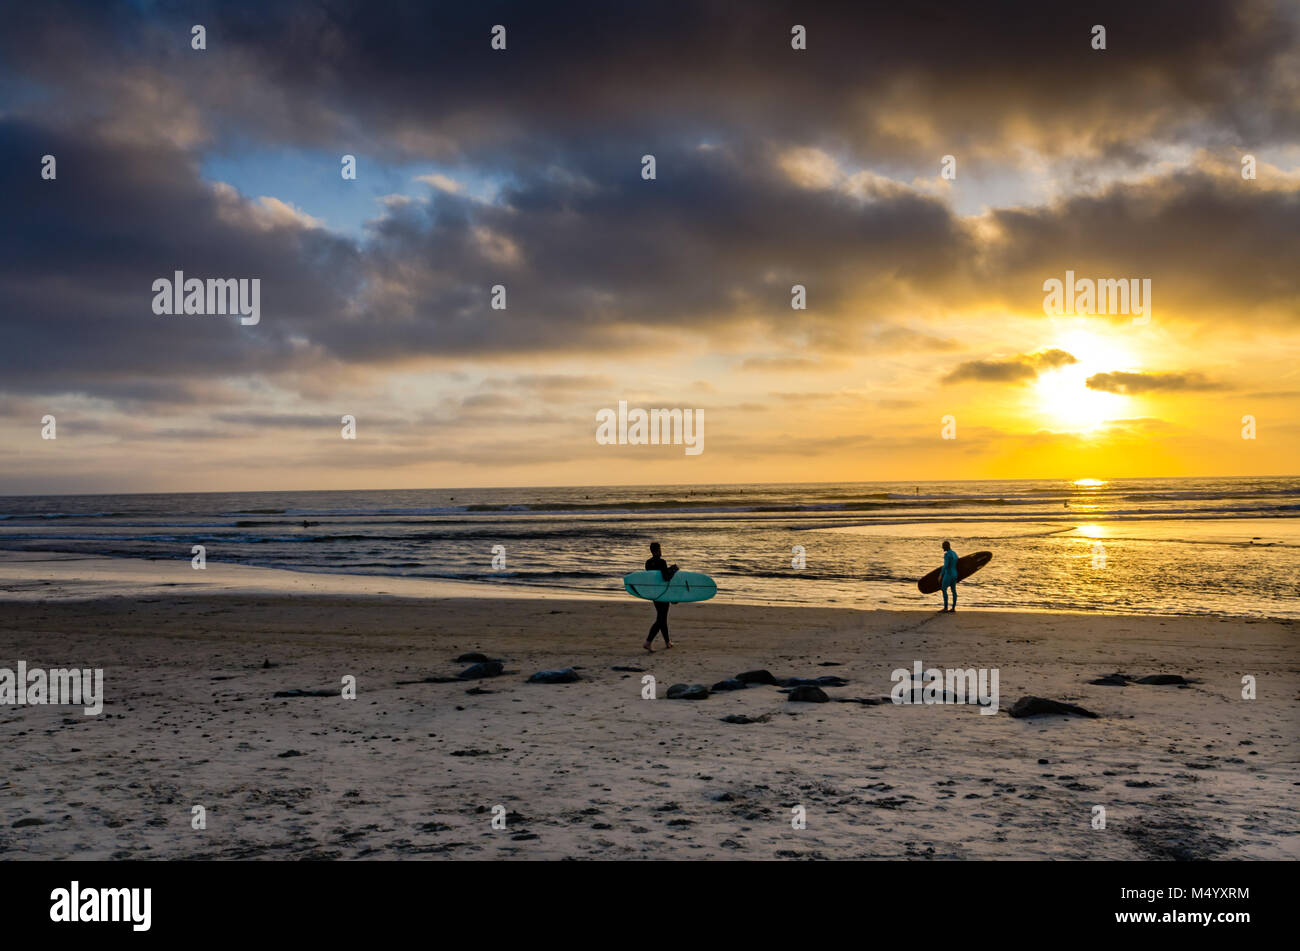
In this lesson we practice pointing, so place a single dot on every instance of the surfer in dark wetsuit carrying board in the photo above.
(656, 563)
(948, 576)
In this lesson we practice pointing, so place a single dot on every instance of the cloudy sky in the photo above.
(523, 167)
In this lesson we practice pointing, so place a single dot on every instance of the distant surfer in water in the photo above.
(948, 576)
(656, 563)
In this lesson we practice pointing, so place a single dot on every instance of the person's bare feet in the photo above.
(648, 648)
(668, 647)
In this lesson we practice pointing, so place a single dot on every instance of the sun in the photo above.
(1061, 397)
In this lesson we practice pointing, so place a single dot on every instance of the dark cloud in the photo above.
(1017, 369)
(1207, 240)
(595, 260)
(992, 371)
(1132, 384)
(593, 257)
(592, 261)
(1273, 395)
(418, 80)
(79, 255)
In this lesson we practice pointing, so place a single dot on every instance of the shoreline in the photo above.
(63, 576)
(27, 576)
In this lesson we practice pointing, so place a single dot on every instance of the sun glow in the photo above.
(1061, 396)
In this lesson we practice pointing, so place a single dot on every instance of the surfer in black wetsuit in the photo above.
(948, 576)
(656, 563)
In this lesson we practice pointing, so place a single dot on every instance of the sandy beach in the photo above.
(590, 769)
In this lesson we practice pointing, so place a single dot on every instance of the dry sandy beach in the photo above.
(592, 770)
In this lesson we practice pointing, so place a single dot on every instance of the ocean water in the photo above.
(1161, 546)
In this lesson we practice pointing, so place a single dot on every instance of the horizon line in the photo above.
(647, 485)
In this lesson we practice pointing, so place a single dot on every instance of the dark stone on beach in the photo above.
(478, 691)
(1040, 706)
(267, 665)
(724, 685)
(473, 657)
(812, 682)
(630, 670)
(756, 677)
(807, 693)
(29, 821)
(1160, 680)
(831, 663)
(490, 668)
(741, 718)
(566, 675)
(865, 701)
(306, 693)
(287, 753)
(1111, 680)
(688, 692)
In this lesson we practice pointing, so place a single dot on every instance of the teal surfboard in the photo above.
(685, 586)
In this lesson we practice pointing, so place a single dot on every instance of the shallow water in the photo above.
(1167, 546)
